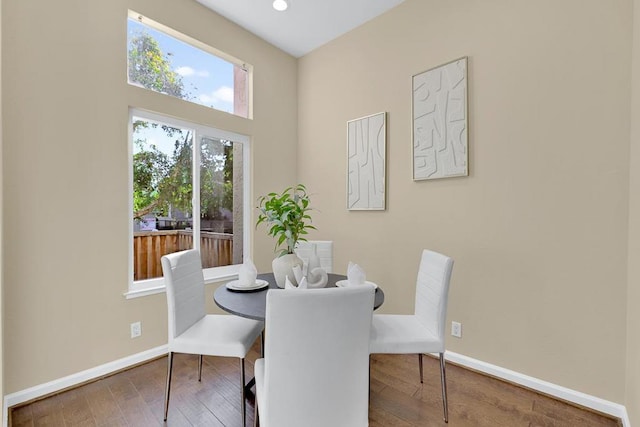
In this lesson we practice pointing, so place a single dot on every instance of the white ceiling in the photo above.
(305, 25)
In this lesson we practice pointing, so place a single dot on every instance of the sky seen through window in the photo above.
(208, 80)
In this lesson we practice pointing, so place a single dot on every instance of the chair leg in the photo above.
(262, 344)
(256, 415)
(168, 386)
(243, 402)
(369, 378)
(200, 368)
(420, 365)
(443, 379)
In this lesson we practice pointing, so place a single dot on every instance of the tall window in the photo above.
(189, 183)
(165, 61)
(188, 191)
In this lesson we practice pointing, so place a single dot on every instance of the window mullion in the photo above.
(195, 202)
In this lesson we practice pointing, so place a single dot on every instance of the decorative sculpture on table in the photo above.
(311, 276)
(316, 278)
(302, 283)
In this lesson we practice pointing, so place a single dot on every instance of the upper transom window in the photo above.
(166, 61)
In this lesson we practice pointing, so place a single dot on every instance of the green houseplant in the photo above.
(287, 216)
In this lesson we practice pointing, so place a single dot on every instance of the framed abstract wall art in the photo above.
(439, 116)
(366, 155)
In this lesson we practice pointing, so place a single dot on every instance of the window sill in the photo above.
(137, 293)
(156, 286)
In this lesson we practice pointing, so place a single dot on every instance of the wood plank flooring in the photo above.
(135, 398)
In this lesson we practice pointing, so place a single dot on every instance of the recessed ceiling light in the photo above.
(280, 5)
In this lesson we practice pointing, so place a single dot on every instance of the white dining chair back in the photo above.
(432, 293)
(192, 331)
(315, 372)
(423, 331)
(185, 291)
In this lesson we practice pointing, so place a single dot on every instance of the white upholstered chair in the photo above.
(193, 331)
(423, 331)
(315, 372)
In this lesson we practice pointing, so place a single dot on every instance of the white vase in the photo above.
(283, 267)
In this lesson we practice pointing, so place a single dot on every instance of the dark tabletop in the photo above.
(253, 304)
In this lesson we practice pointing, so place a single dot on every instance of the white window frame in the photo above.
(153, 286)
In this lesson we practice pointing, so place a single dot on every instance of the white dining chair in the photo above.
(191, 330)
(315, 372)
(423, 331)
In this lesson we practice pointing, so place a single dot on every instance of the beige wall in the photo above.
(632, 400)
(539, 228)
(65, 163)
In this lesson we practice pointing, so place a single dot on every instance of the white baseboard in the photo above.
(577, 397)
(77, 378)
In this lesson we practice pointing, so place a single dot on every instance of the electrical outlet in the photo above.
(136, 329)
(456, 329)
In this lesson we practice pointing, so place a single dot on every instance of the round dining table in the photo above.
(253, 304)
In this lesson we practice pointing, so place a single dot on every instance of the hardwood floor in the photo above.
(135, 398)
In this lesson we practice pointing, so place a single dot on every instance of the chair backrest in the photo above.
(432, 291)
(324, 250)
(185, 290)
(317, 357)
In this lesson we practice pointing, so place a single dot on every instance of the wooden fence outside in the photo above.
(216, 249)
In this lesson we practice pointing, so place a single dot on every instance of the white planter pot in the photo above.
(283, 267)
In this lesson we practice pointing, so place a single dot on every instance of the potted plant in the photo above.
(287, 216)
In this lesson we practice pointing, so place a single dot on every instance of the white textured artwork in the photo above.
(366, 140)
(440, 121)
